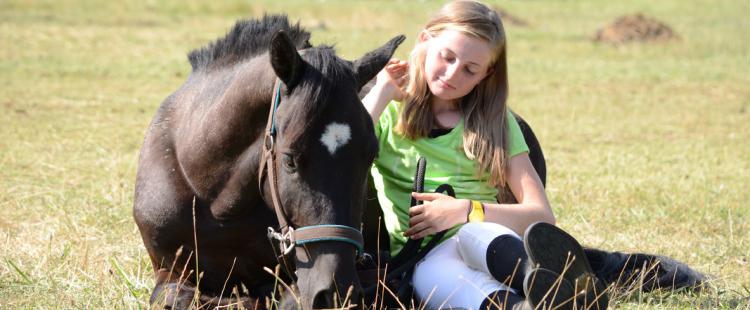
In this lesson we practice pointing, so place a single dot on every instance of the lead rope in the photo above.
(413, 251)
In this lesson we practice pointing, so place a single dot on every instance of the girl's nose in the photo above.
(451, 71)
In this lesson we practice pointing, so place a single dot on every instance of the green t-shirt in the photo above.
(394, 168)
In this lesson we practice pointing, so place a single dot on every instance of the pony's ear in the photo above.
(371, 63)
(285, 60)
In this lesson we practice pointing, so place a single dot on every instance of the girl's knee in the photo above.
(450, 283)
(474, 239)
(484, 231)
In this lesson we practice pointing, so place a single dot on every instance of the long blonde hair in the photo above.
(483, 109)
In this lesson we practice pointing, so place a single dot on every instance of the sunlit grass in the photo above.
(647, 145)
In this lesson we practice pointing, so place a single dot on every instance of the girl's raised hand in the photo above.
(439, 212)
(393, 78)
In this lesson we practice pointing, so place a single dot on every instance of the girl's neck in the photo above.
(446, 113)
(440, 106)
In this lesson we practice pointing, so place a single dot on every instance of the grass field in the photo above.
(648, 145)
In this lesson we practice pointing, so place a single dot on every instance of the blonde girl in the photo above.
(448, 104)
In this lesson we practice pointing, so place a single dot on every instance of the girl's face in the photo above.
(454, 63)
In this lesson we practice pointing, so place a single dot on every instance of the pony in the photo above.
(266, 137)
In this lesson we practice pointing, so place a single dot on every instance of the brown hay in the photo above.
(635, 28)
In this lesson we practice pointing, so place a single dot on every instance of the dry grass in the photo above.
(647, 145)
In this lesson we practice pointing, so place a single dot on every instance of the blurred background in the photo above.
(642, 109)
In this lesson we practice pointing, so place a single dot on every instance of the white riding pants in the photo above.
(455, 274)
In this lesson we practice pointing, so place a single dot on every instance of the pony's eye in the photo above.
(288, 161)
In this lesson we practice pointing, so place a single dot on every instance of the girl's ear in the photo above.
(424, 36)
(490, 71)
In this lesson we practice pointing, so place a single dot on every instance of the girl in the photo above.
(448, 104)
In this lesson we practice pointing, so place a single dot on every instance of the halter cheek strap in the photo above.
(287, 236)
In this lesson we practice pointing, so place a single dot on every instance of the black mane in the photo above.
(247, 38)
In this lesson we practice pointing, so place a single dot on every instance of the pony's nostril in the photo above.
(323, 300)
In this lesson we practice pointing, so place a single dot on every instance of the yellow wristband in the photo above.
(477, 212)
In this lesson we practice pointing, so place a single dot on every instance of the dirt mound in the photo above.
(509, 19)
(635, 28)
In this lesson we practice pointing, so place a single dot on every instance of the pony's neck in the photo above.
(229, 130)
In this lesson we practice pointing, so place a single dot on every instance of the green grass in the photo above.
(647, 144)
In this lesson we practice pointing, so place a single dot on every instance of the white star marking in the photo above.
(335, 136)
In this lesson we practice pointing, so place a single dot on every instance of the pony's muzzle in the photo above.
(326, 276)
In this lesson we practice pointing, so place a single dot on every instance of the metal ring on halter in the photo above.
(268, 141)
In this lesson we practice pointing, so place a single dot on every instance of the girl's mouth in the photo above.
(445, 84)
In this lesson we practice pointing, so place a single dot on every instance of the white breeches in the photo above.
(455, 274)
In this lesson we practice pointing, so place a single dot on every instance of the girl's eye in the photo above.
(447, 57)
(469, 72)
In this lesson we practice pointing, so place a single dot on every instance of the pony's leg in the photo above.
(162, 210)
(172, 292)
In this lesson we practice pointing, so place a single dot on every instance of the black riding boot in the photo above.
(502, 300)
(507, 261)
(544, 289)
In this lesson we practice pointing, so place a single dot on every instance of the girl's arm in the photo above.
(526, 186)
(387, 87)
(440, 212)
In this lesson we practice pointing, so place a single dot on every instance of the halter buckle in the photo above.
(286, 242)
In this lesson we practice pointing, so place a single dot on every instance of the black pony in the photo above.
(202, 203)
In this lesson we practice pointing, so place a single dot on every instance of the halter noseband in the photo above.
(287, 236)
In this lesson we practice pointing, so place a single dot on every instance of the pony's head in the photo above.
(323, 143)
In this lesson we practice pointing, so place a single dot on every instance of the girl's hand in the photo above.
(439, 212)
(392, 79)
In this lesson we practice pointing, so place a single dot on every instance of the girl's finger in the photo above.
(414, 220)
(416, 210)
(416, 229)
(427, 196)
(395, 69)
(424, 233)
